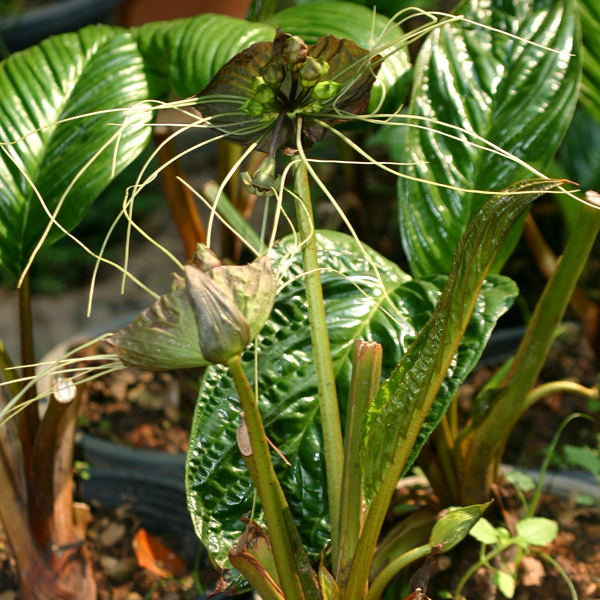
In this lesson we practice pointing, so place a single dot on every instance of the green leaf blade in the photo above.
(287, 386)
(396, 417)
(517, 96)
(65, 76)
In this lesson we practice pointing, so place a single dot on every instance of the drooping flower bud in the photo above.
(208, 317)
(273, 74)
(294, 51)
(264, 180)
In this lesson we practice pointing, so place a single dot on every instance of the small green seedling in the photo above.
(586, 458)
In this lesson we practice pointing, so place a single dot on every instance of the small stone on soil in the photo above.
(112, 535)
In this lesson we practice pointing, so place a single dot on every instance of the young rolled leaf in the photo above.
(455, 525)
(67, 75)
(513, 94)
(396, 416)
(288, 396)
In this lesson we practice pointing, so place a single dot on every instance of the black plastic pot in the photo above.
(24, 30)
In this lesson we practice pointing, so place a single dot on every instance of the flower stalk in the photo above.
(328, 402)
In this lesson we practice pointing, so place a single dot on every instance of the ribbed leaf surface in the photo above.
(218, 486)
(589, 11)
(67, 75)
(515, 95)
(191, 51)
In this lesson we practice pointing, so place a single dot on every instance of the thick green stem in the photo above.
(384, 578)
(28, 418)
(483, 447)
(328, 403)
(268, 486)
(366, 378)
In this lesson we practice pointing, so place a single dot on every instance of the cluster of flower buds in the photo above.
(274, 88)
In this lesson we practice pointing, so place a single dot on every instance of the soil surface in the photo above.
(110, 541)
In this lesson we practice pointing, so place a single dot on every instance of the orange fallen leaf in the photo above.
(156, 557)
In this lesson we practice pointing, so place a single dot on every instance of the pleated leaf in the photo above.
(422, 385)
(67, 75)
(218, 486)
(589, 11)
(191, 51)
(518, 96)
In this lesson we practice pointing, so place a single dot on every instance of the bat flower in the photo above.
(210, 315)
(257, 96)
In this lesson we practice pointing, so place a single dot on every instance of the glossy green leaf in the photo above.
(589, 12)
(218, 486)
(583, 458)
(189, 52)
(423, 383)
(67, 75)
(346, 20)
(517, 96)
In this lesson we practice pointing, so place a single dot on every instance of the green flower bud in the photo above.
(264, 179)
(325, 90)
(208, 317)
(312, 70)
(264, 94)
(454, 526)
(257, 82)
(223, 331)
(252, 108)
(274, 74)
(294, 51)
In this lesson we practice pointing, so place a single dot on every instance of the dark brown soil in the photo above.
(118, 576)
(140, 408)
(576, 549)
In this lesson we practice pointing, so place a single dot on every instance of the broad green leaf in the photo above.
(72, 74)
(537, 531)
(218, 486)
(505, 583)
(516, 95)
(191, 51)
(580, 151)
(397, 415)
(589, 11)
(483, 531)
(455, 525)
(582, 457)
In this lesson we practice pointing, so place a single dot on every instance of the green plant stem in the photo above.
(561, 572)
(473, 568)
(268, 486)
(328, 403)
(366, 378)
(560, 387)
(384, 578)
(28, 418)
(484, 446)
